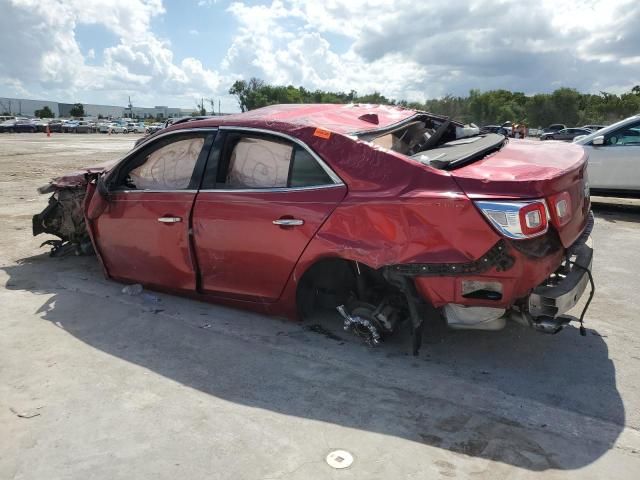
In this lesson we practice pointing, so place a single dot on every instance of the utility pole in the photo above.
(219, 110)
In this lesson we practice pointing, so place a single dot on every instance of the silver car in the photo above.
(614, 158)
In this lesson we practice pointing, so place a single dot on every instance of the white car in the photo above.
(614, 158)
(136, 127)
(117, 128)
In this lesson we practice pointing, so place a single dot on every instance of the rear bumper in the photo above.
(563, 289)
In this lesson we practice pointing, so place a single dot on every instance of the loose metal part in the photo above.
(351, 323)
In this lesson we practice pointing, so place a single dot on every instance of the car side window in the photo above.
(259, 163)
(167, 165)
(628, 135)
(262, 162)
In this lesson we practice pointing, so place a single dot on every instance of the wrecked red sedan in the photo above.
(392, 216)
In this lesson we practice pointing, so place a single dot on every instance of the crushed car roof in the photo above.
(339, 118)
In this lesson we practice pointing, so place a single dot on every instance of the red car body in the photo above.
(383, 211)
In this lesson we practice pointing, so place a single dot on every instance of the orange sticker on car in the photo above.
(322, 133)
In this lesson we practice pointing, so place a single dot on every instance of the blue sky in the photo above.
(173, 52)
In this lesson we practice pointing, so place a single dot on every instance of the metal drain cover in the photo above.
(339, 459)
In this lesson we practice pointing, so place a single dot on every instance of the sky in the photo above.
(174, 52)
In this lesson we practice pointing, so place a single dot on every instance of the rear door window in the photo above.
(267, 162)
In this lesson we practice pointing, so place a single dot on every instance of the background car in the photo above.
(554, 127)
(55, 126)
(593, 128)
(41, 124)
(19, 125)
(566, 134)
(83, 127)
(154, 127)
(7, 126)
(117, 128)
(495, 129)
(136, 127)
(69, 126)
(614, 158)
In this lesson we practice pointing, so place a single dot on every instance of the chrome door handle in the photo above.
(288, 222)
(169, 219)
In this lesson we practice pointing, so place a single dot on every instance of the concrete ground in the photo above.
(95, 384)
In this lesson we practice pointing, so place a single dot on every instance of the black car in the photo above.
(499, 129)
(566, 134)
(553, 128)
(55, 126)
(18, 126)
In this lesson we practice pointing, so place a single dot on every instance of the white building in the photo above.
(26, 107)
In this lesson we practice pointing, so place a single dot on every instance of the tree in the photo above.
(564, 105)
(77, 110)
(201, 110)
(44, 112)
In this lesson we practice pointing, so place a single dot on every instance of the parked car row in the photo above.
(33, 125)
(558, 131)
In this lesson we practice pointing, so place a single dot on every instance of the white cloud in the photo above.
(408, 49)
(140, 64)
(403, 49)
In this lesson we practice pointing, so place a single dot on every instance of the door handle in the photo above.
(288, 222)
(169, 219)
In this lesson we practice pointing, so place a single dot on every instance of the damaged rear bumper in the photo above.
(565, 287)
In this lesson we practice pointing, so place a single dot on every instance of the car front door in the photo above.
(616, 164)
(143, 234)
(263, 198)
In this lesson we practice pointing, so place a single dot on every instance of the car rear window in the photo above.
(305, 171)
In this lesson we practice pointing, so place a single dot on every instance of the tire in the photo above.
(125, 131)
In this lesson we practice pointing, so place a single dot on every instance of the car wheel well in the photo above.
(334, 281)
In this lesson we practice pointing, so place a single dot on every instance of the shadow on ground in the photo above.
(614, 209)
(285, 368)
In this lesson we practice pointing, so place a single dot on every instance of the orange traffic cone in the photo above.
(48, 131)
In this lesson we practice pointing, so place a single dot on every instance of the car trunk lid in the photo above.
(525, 169)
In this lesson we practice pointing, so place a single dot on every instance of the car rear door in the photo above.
(143, 235)
(263, 198)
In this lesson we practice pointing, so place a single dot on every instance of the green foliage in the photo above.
(44, 112)
(256, 93)
(564, 105)
(200, 108)
(77, 110)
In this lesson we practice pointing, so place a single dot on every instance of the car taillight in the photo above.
(561, 208)
(516, 219)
